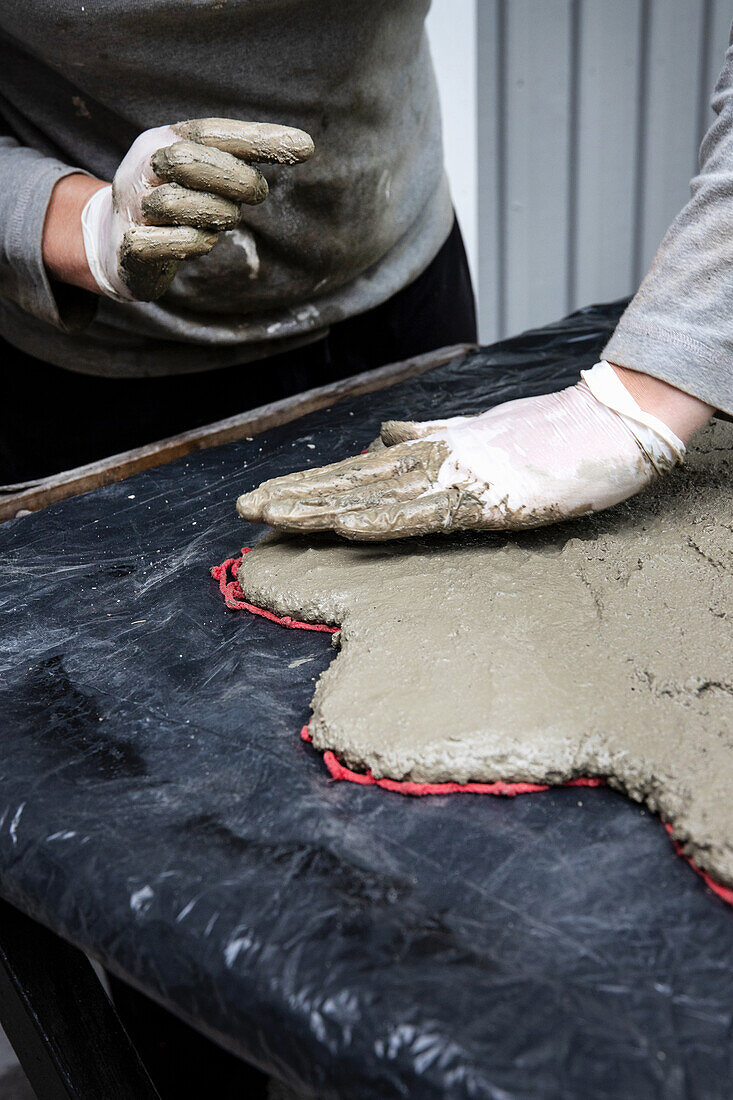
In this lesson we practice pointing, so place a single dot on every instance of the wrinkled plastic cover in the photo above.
(158, 807)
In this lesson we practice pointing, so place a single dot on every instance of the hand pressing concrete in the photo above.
(526, 463)
(177, 188)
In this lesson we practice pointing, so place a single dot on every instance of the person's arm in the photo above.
(521, 464)
(679, 326)
(27, 181)
(680, 411)
(62, 242)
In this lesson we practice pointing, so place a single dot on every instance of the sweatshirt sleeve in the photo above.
(679, 326)
(27, 179)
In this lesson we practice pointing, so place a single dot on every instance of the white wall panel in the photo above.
(588, 119)
(451, 28)
(537, 124)
(605, 153)
(491, 162)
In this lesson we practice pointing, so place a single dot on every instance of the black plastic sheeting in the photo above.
(158, 807)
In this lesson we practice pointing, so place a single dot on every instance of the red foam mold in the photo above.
(226, 576)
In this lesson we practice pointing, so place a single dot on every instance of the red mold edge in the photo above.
(226, 576)
(234, 598)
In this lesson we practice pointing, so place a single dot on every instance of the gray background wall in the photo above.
(571, 131)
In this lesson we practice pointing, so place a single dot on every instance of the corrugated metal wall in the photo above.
(588, 117)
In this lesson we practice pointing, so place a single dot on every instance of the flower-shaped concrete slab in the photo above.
(598, 648)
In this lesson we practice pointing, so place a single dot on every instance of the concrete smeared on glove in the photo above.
(177, 188)
(525, 463)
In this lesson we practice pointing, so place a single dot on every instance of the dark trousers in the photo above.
(82, 418)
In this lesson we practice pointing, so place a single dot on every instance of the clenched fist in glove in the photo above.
(522, 464)
(177, 188)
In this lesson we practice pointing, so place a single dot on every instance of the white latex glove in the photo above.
(177, 188)
(522, 464)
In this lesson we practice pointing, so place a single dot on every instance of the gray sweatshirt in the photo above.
(679, 326)
(82, 78)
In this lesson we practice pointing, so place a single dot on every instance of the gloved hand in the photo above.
(177, 188)
(522, 464)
